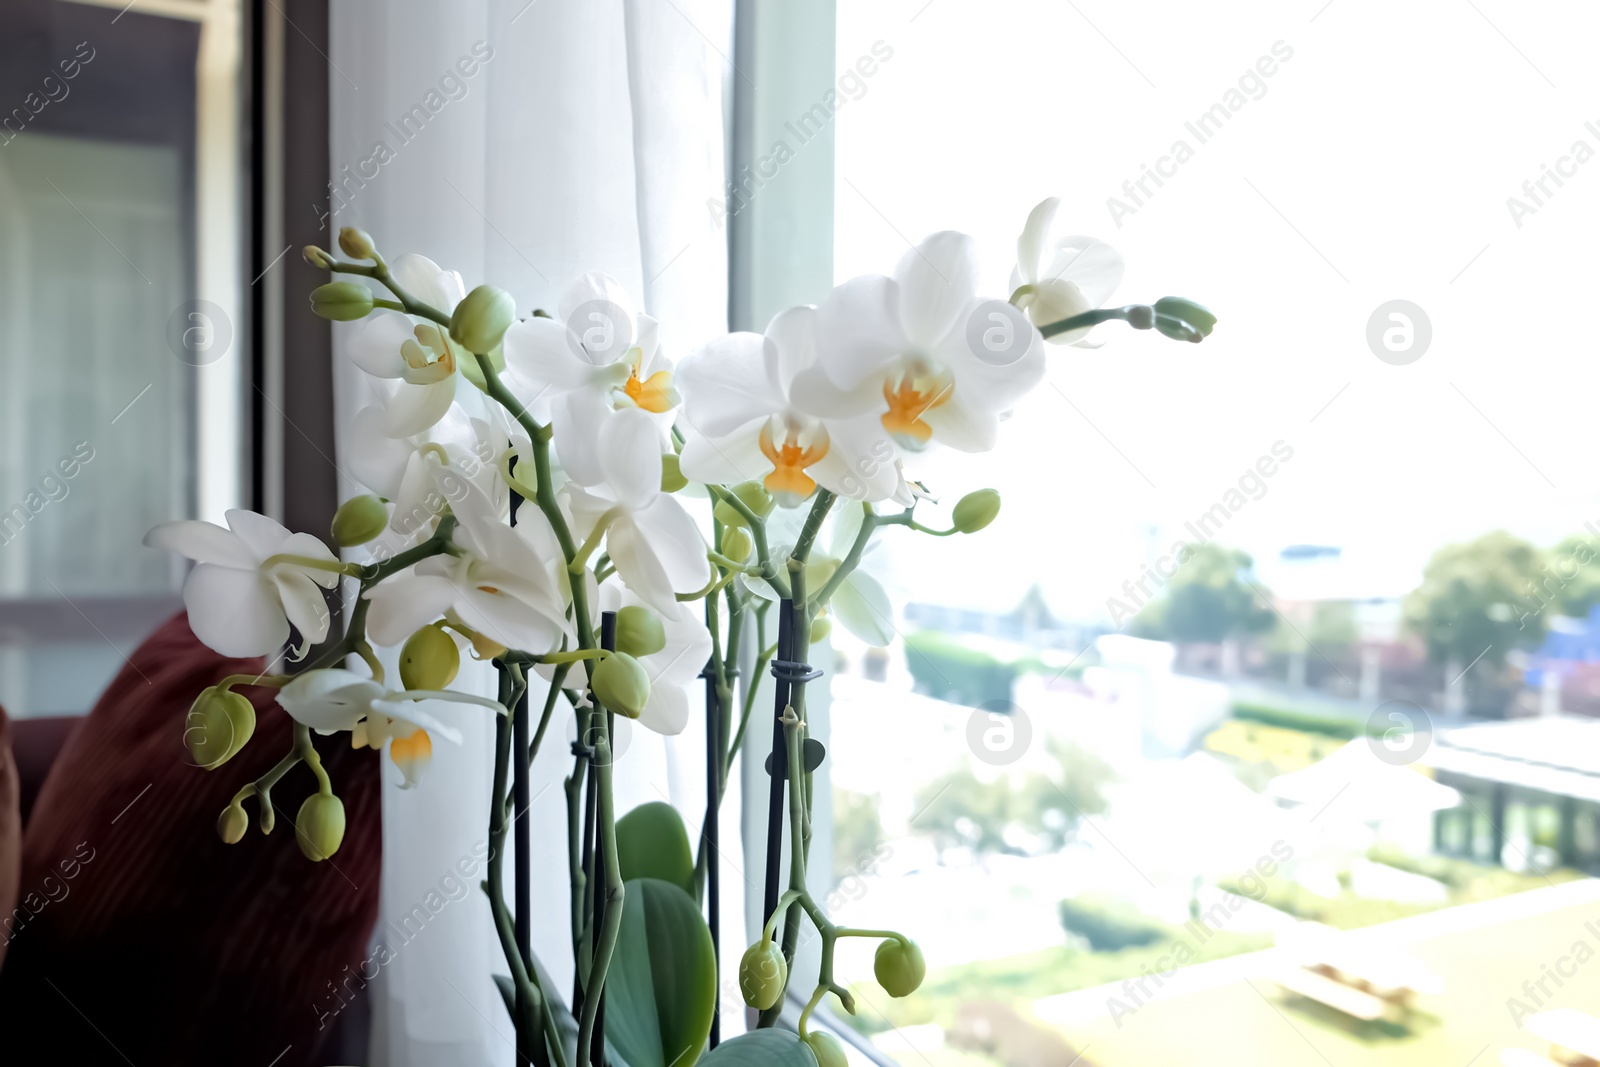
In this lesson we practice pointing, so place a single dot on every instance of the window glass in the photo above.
(1214, 729)
(97, 279)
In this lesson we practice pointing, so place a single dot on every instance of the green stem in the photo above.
(611, 923)
(758, 534)
(1087, 318)
(530, 999)
(852, 559)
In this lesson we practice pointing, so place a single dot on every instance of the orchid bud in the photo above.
(429, 659)
(359, 520)
(482, 318)
(232, 824)
(899, 967)
(319, 828)
(1183, 320)
(342, 301)
(821, 627)
(827, 1050)
(672, 478)
(218, 725)
(737, 543)
(976, 510)
(753, 495)
(639, 631)
(357, 244)
(317, 257)
(622, 684)
(763, 974)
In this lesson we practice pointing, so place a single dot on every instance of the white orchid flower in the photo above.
(922, 351)
(249, 583)
(598, 356)
(860, 603)
(335, 700)
(1062, 276)
(653, 542)
(494, 582)
(394, 467)
(743, 424)
(418, 357)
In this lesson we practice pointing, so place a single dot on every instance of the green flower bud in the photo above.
(359, 520)
(753, 495)
(763, 974)
(317, 257)
(621, 684)
(976, 510)
(639, 631)
(357, 244)
(232, 824)
(827, 1050)
(737, 543)
(482, 319)
(218, 725)
(1183, 320)
(429, 659)
(319, 828)
(672, 478)
(821, 627)
(899, 967)
(342, 301)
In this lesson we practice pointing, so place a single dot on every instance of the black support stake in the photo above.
(522, 889)
(712, 833)
(602, 895)
(778, 767)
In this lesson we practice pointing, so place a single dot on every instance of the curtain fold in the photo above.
(520, 143)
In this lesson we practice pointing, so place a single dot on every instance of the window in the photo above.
(121, 235)
(1090, 771)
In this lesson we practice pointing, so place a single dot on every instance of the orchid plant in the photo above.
(551, 495)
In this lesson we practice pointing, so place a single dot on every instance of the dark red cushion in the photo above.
(147, 940)
(10, 833)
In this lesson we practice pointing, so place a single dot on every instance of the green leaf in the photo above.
(662, 985)
(652, 843)
(761, 1048)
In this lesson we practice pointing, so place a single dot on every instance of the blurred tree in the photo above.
(1210, 599)
(1052, 806)
(1573, 576)
(959, 810)
(1476, 600)
(857, 832)
(1033, 611)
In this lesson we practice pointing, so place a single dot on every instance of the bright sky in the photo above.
(1376, 166)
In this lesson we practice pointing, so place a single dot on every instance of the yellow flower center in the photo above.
(789, 483)
(428, 356)
(909, 401)
(654, 394)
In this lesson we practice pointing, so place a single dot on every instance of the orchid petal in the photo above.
(859, 332)
(863, 608)
(403, 603)
(938, 279)
(203, 542)
(1030, 245)
(234, 612)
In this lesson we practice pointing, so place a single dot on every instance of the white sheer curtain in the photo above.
(520, 143)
